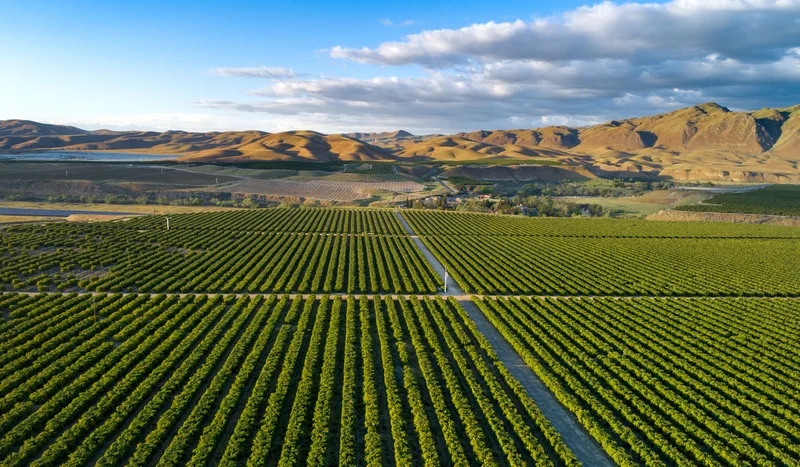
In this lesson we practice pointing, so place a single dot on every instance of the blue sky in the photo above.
(428, 66)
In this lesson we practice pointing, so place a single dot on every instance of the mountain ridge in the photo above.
(705, 141)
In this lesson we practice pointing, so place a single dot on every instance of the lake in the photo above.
(66, 156)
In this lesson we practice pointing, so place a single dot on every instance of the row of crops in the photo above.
(271, 380)
(279, 220)
(781, 200)
(317, 252)
(448, 223)
(668, 381)
(613, 266)
(94, 258)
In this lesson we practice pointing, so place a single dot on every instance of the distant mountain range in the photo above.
(703, 142)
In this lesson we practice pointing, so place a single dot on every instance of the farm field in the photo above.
(133, 208)
(780, 200)
(438, 223)
(325, 220)
(16, 219)
(668, 381)
(511, 255)
(107, 172)
(556, 265)
(220, 252)
(321, 336)
(321, 189)
(196, 380)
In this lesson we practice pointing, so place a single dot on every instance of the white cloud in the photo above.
(678, 30)
(265, 72)
(587, 65)
(387, 22)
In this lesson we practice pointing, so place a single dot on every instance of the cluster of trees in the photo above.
(545, 206)
(238, 200)
(614, 362)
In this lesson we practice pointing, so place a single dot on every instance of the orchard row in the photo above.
(332, 220)
(95, 258)
(668, 381)
(438, 223)
(212, 379)
(628, 266)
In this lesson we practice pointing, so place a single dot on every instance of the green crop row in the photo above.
(259, 381)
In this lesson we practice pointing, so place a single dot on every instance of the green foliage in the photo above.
(270, 250)
(506, 255)
(666, 381)
(779, 200)
(160, 379)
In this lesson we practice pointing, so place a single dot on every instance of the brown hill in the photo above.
(233, 146)
(399, 134)
(28, 128)
(703, 142)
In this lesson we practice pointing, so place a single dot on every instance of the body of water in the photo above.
(66, 156)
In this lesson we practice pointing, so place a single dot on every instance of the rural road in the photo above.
(452, 287)
(585, 448)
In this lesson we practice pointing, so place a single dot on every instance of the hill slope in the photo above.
(28, 128)
(213, 146)
(702, 142)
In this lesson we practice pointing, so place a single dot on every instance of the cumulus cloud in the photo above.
(588, 65)
(754, 30)
(264, 72)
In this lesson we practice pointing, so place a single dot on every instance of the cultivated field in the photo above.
(323, 337)
(440, 223)
(781, 200)
(105, 172)
(321, 189)
(668, 381)
(263, 381)
(275, 250)
(507, 255)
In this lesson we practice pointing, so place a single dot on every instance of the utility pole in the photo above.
(167, 223)
(445, 280)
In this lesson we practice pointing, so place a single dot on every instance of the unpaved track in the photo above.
(586, 449)
(452, 287)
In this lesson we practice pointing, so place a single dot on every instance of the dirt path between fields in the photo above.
(585, 448)
(452, 287)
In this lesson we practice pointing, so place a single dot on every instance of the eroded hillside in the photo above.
(703, 142)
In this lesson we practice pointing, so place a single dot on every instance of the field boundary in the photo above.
(582, 444)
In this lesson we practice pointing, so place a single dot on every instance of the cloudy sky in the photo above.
(430, 66)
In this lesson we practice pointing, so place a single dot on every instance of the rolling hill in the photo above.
(702, 142)
(213, 146)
